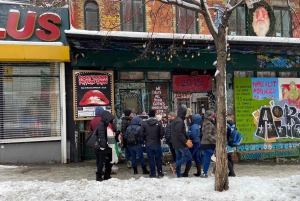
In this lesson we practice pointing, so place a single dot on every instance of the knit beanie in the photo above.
(99, 110)
(127, 112)
(151, 113)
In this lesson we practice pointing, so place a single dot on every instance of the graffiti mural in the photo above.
(268, 109)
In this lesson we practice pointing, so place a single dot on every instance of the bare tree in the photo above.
(219, 35)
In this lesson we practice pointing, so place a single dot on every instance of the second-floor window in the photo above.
(186, 21)
(237, 22)
(133, 15)
(91, 16)
(283, 27)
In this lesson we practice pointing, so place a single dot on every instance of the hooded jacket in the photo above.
(208, 132)
(179, 137)
(106, 118)
(152, 131)
(194, 130)
(126, 121)
(136, 123)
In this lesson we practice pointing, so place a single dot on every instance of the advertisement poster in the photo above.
(267, 109)
(92, 89)
(159, 98)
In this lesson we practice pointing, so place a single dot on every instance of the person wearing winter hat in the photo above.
(93, 126)
(208, 141)
(126, 121)
(180, 141)
(134, 144)
(152, 131)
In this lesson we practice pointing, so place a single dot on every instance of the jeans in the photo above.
(136, 150)
(181, 159)
(127, 154)
(207, 157)
(194, 153)
(154, 152)
(201, 155)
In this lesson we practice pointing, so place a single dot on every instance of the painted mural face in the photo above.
(261, 21)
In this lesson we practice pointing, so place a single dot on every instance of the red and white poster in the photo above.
(92, 89)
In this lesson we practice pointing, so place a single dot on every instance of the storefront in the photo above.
(33, 50)
(148, 79)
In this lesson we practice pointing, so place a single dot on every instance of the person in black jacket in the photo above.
(105, 153)
(126, 121)
(180, 142)
(152, 131)
(171, 117)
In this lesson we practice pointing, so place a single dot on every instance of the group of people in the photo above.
(197, 143)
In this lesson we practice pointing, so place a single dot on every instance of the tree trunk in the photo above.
(221, 174)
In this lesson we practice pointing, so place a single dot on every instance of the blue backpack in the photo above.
(234, 137)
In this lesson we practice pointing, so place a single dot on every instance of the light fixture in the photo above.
(208, 47)
(185, 55)
(192, 56)
(183, 42)
(198, 54)
(197, 19)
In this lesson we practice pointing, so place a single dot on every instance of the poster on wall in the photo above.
(159, 100)
(267, 109)
(92, 89)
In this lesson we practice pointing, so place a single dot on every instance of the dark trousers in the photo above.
(104, 159)
(154, 154)
(172, 151)
(195, 153)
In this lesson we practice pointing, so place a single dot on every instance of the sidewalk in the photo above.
(86, 170)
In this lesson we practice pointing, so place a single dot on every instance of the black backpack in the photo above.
(132, 138)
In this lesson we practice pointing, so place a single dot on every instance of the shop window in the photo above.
(29, 100)
(183, 101)
(91, 16)
(266, 74)
(287, 74)
(237, 22)
(133, 15)
(283, 27)
(202, 105)
(186, 21)
(243, 74)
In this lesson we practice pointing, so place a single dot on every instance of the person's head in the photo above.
(158, 117)
(181, 112)
(127, 113)
(151, 113)
(99, 110)
(188, 112)
(261, 21)
(171, 116)
(209, 114)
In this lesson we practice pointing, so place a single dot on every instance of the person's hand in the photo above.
(120, 138)
(102, 148)
(189, 143)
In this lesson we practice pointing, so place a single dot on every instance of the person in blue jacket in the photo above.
(136, 149)
(194, 135)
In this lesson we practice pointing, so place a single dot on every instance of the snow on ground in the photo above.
(240, 188)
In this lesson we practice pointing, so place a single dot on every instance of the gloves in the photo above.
(102, 149)
(189, 143)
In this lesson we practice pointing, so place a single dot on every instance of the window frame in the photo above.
(93, 11)
(186, 28)
(143, 9)
(236, 20)
(281, 18)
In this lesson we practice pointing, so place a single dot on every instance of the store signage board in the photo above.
(92, 89)
(186, 83)
(32, 24)
(158, 75)
(132, 75)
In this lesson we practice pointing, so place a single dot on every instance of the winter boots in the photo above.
(198, 165)
(187, 169)
(107, 174)
(145, 171)
(135, 170)
(99, 177)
